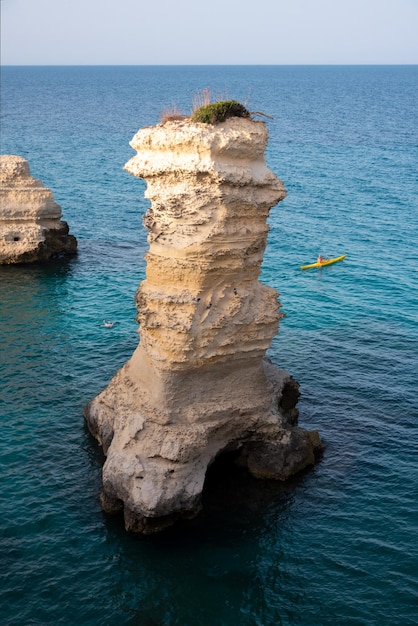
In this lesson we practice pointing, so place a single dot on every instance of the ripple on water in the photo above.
(337, 546)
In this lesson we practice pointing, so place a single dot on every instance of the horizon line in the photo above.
(208, 64)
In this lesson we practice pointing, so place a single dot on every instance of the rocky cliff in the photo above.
(198, 383)
(30, 220)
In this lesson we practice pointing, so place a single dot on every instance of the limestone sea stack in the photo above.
(198, 383)
(31, 228)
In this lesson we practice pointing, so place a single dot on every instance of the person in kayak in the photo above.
(320, 259)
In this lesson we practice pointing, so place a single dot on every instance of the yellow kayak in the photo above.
(324, 262)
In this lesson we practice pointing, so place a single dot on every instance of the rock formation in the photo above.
(30, 221)
(198, 384)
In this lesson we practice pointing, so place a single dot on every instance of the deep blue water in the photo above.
(336, 546)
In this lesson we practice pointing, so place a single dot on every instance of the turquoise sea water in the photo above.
(337, 545)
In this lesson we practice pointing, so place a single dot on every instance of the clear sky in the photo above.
(193, 32)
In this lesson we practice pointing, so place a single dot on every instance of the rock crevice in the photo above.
(198, 383)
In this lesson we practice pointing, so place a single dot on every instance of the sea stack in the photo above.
(198, 383)
(31, 228)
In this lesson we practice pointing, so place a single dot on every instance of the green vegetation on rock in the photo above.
(219, 111)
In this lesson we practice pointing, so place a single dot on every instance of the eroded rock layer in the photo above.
(198, 383)
(31, 228)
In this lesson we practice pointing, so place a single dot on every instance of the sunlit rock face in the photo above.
(31, 228)
(198, 383)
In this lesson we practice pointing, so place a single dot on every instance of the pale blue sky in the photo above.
(143, 32)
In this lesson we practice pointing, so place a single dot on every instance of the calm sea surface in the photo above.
(338, 545)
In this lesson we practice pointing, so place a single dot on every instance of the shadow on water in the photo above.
(232, 502)
(199, 571)
(20, 273)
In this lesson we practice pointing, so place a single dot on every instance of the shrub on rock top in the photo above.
(217, 112)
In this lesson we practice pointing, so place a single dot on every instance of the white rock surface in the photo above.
(198, 383)
(31, 228)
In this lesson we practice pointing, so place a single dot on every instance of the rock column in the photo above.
(31, 228)
(198, 383)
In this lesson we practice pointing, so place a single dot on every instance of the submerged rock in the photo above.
(31, 228)
(198, 383)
